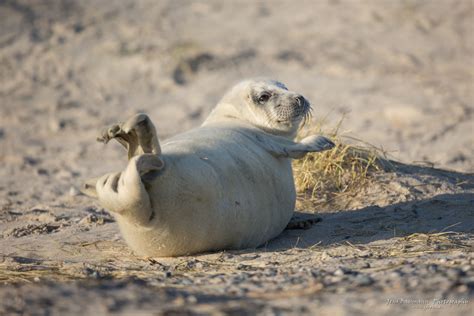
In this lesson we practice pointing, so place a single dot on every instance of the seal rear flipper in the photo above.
(126, 193)
(88, 187)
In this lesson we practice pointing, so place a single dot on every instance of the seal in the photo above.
(227, 184)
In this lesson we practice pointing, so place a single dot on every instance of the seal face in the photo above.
(225, 185)
(266, 104)
(279, 106)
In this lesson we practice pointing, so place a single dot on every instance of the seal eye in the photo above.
(264, 98)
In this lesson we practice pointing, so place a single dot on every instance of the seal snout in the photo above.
(300, 100)
(302, 104)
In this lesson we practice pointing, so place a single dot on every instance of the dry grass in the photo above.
(32, 273)
(339, 173)
(63, 271)
(416, 245)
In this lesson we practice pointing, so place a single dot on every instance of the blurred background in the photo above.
(400, 72)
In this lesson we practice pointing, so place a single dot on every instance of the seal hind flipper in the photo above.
(88, 187)
(125, 193)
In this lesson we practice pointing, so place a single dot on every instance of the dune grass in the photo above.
(322, 178)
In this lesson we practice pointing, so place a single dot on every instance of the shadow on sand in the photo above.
(445, 212)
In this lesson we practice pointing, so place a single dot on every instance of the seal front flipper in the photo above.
(284, 148)
(315, 143)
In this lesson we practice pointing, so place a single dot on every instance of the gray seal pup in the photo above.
(227, 184)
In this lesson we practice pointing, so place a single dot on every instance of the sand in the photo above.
(399, 72)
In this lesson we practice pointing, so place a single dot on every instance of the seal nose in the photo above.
(300, 101)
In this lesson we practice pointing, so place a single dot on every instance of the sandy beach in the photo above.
(397, 75)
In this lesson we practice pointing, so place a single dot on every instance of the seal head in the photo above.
(265, 104)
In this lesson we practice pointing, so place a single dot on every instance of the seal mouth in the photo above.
(303, 113)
